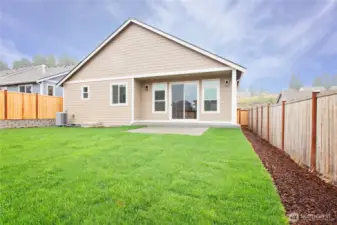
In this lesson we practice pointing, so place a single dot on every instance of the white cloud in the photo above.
(259, 34)
(330, 47)
(9, 52)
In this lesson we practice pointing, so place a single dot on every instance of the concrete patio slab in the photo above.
(194, 131)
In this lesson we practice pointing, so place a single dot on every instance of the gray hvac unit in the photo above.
(61, 119)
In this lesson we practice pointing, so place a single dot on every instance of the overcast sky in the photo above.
(272, 38)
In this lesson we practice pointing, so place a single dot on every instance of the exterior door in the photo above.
(184, 101)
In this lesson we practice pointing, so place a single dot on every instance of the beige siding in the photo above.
(225, 99)
(139, 51)
(97, 108)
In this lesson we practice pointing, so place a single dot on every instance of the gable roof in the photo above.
(33, 74)
(159, 32)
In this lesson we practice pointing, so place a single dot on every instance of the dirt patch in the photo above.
(306, 198)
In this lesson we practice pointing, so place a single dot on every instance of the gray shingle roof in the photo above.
(30, 74)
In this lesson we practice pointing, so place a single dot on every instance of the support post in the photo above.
(234, 97)
(5, 105)
(36, 105)
(261, 121)
(283, 122)
(268, 109)
(313, 131)
(23, 106)
(239, 115)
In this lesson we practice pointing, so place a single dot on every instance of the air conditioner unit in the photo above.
(61, 119)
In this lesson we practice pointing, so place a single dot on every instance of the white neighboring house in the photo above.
(38, 79)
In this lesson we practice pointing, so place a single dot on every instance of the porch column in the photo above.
(234, 97)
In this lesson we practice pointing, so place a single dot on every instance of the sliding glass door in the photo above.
(184, 100)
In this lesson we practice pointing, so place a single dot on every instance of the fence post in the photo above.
(36, 105)
(23, 106)
(239, 110)
(283, 122)
(268, 108)
(261, 121)
(5, 105)
(313, 131)
(257, 119)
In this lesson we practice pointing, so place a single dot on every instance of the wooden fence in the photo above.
(242, 117)
(18, 106)
(306, 130)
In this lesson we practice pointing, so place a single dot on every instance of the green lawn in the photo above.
(108, 176)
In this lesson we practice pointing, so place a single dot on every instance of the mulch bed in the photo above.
(306, 198)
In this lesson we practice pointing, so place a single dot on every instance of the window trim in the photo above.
(88, 87)
(25, 86)
(153, 97)
(203, 96)
(126, 94)
(51, 85)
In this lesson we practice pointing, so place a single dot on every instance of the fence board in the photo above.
(260, 121)
(276, 126)
(254, 120)
(48, 106)
(2, 105)
(14, 102)
(326, 157)
(264, 123)
(243, 117)
(29, 106)
(297, 131)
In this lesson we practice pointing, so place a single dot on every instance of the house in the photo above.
(142, 75)
(38, 79)
(302, 93)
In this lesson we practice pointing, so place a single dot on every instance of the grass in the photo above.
(107, 176)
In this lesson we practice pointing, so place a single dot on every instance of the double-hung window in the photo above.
(118, 94)
(85, 92)
(159, 97)
(25, 88)
(211, 95)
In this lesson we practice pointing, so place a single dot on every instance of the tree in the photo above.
(334, 80)
(327, 81)
(50, 61)
(317, 82)
(66, 61)
(295, 83)
(3, 66)
(39, 60)
(24, 62)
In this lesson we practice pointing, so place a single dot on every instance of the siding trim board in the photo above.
(159, 32)
(186, 72)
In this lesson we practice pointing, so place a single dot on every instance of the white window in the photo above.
(118, 95)
(159, 97)
(25, 88)
(211, 95)
(50, 90)
(85, 92)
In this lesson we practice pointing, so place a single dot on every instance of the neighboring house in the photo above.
(141, 75)
(302, 93)
(39, 79)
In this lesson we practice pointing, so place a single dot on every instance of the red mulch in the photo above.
(304, 195)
